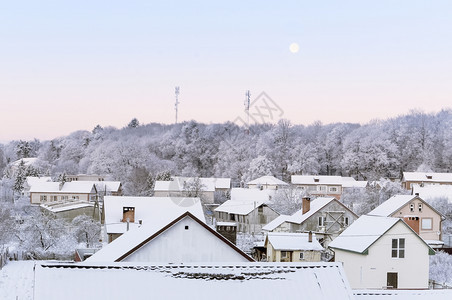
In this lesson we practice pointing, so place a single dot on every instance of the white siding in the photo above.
(370, 271)
(178, 245)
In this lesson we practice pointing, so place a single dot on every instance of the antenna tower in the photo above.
(177, 100)
(247, 110)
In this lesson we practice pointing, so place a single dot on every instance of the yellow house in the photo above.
(292, 247)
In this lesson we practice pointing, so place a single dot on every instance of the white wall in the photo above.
(370, 271)
(178, 245)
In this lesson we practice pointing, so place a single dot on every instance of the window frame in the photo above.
(398, 248)
(426, 219)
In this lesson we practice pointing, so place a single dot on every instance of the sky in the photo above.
(71, 65)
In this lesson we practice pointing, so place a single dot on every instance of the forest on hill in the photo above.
(137, 153)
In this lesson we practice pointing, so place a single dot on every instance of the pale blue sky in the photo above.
(69, 65)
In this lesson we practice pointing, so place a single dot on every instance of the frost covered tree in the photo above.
(287, 200)
(133, 123)
(440, 266)
(86, 230)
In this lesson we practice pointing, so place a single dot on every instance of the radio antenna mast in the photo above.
(247, 110)
(177, 100)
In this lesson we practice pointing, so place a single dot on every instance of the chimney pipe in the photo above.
(128, 224)
(310, 236)
(416, 194)
(305, 204)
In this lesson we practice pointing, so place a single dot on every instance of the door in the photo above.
(391, 281)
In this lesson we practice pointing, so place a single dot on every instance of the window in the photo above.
(398, 248)
(301, 255)
(322, 221)
(333, 189)
(186, 227)
(427, 223)
(54, 198)
(260, 209)
(346, 221)
(232, 217)
(284, 254)
(420, 207)
(43, 198)
(412, 207)
(64, 198)
(321, 188)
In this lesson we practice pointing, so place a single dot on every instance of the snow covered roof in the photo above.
(363, 233)
(293, 241)
(427, 177)
(133, 240)
(430, 192)
(298, 217)
(267, 180)
(239, 207)
(320, 179)
(74, 187)
(391, 205)
(200, 281)
(219, 183)
(251, 195)
(65, 206)
(108, 186)
(354, 184)
(148, 209)
(276, 222)
(45, 187)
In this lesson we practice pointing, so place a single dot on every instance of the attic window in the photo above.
(429, 176)
(186, 227)
(316, 180)
(420, 207)
(411, 207)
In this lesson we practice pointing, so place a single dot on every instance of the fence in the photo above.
(6, 256)
(437, 285)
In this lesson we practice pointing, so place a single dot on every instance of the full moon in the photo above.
(294, 47)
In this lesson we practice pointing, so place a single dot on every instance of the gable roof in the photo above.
(395, 203)
(430, 192)
(239, 207)
(148, 209)
(251, 195)
(365, 231)
(427, 177)
(264, 180)
(177, 184)
(74, 187)
(201, 281)
(292, 241)
(45, 187)
(131, 241)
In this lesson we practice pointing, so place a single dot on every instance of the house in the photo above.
(250, 216)
(383, 252)
(418, 214)
(108, 188)
(425, 178)
(69, 191)
(323, 186)
(203, 281)
(123, 213)
(326, 217)
(292, 247)
(69, 209)
(266, 182)
(184, 239)
(205, 188)
(250, 195)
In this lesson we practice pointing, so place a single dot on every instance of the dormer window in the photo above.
(429, 176)
(412, 207)
(316, 180)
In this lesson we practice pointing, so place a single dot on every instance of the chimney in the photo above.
(416, 194)
(305, 204)
(310, 236)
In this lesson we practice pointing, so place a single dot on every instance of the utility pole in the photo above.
(177, 100)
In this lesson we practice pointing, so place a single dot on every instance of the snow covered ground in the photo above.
(16, 280)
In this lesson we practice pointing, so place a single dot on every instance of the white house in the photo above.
(383, 252)
(124, 212)
(44, 192)
(409, 179)
(31, 180)
(185, 239)
(322, 185)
